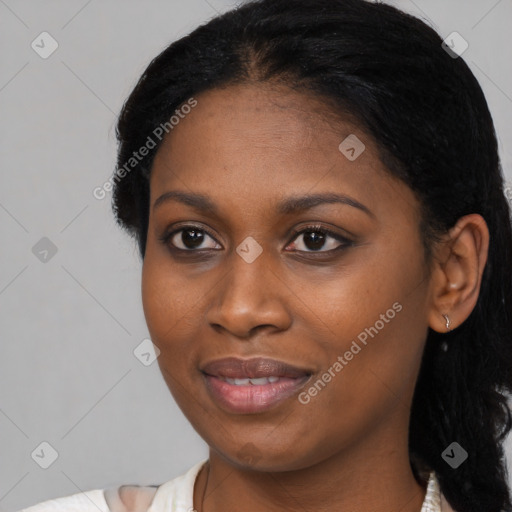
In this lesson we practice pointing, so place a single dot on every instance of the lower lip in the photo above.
(250, 398)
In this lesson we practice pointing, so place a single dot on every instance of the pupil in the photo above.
(315, 242)
(195, 239)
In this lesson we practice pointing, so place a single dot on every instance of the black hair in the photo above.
(431, 123)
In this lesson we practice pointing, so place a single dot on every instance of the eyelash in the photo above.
(345, 242)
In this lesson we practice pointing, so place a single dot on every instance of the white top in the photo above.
(172, 496)
(177, 495)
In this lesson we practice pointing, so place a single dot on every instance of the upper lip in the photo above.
(254, 368)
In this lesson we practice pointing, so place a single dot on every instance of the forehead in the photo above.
(257, 143)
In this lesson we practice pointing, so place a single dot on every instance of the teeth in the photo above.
(260, 382)
(255, 382)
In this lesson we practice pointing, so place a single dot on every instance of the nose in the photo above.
(250, 297)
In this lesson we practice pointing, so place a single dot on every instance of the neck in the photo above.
(362, 478)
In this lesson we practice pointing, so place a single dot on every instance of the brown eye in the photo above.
(314, 238)
(190, 238)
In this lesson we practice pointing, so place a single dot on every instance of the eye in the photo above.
(194, 238)
(189, 238)
(315, 238)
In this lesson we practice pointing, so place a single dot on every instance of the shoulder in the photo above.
(127, 498)
(90, 501)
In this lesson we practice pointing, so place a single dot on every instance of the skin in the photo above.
(247, 147)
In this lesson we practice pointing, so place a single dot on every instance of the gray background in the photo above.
(68, 375)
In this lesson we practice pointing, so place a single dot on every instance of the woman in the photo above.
(316, 193)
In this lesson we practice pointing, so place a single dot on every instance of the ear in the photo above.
(457, 274)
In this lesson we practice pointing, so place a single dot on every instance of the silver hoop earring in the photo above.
(444, 345)
(447, 318)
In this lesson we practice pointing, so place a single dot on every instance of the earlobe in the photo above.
(458, 273)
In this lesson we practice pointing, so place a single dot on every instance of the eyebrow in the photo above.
(290, 205)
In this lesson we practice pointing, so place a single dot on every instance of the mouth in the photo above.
(245, 386)
(261, 381)
(253, 369)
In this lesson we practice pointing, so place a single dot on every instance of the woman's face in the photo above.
(244, 278)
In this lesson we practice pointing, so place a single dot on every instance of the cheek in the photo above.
(350, 300)
(168, 308)
(166, 299)
(155, 301)
(373, 316)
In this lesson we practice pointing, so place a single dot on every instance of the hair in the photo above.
(432, 126)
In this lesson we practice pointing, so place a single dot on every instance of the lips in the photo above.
(254, 368)
(251, 386)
